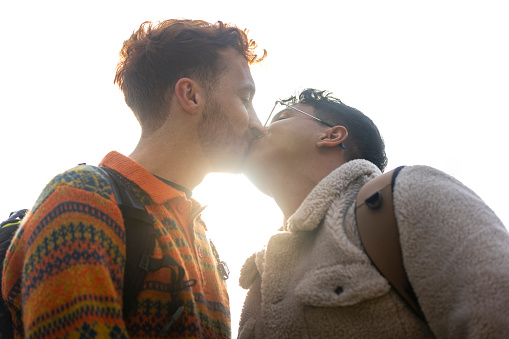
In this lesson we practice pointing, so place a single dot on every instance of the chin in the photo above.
(226, 160)
(261, 184)
(257, 174)
(228, 166)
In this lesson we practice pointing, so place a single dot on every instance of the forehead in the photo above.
(304, 107)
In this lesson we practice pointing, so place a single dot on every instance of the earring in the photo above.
(342, 146)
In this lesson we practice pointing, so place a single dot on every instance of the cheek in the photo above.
(240, 116)
(233, 121)
(234, 115)
(238, 124)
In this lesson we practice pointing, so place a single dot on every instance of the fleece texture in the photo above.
(314, 280)
(63, 275)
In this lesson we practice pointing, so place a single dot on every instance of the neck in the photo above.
(291, 188)
(290, 193)
(176, 159)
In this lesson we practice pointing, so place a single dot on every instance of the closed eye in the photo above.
(278, 117)
(284, 114)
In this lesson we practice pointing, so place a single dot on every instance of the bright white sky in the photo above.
(432, 75)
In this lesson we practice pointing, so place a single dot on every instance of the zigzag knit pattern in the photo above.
(63, 275)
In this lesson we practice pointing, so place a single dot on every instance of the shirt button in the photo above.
(200, 252)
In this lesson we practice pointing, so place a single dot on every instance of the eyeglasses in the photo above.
(295, 109)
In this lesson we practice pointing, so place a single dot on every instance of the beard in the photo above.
(222, 141)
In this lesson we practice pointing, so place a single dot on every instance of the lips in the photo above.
(252, 144)
(254, 141)
(256, 134)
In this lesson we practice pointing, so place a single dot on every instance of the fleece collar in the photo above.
(314, 207)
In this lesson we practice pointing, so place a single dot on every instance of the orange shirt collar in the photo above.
(155, 188)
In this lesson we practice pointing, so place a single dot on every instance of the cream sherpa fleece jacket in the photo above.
(313, 280)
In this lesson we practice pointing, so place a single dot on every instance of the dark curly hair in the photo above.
(364, 140)
(156, 56)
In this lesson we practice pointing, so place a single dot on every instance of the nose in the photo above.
(256, 128)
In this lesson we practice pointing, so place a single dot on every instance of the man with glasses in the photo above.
(314, 279)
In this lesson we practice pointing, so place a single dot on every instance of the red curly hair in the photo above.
(156, 56)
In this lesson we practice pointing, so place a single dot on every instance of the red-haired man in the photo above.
(190, 87)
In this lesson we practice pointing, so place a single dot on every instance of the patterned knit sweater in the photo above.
(63, 274)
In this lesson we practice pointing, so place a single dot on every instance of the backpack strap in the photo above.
(140, 243)
(14, 219)
(7, 230)
(379, 234)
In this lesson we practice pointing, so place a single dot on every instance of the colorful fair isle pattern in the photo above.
(63, 274)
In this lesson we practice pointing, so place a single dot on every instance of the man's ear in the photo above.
(190, 95)
(333, 137)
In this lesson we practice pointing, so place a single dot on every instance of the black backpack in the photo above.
(140, 242)
(7, 230)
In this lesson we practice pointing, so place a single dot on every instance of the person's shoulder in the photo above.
(421, 177)
(422, 171)
(82, 178)
(429, 188)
